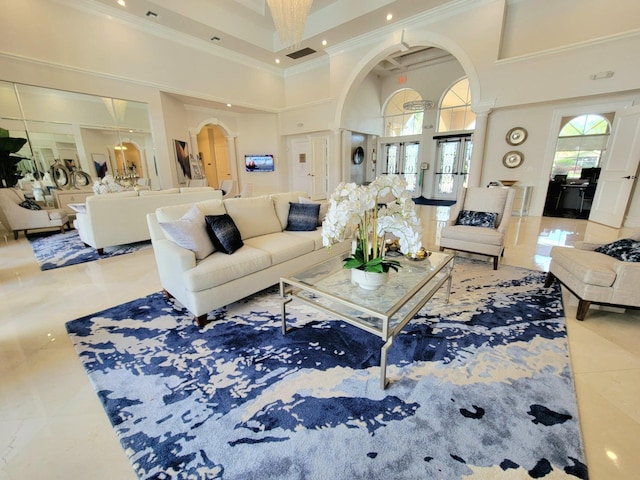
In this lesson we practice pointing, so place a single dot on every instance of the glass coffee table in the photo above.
(382, 312)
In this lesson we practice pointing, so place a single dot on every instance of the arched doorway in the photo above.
(213, 149)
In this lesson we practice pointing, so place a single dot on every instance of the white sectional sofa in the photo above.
(120, 218)
(269, 252)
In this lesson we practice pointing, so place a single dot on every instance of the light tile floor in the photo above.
(52, 425)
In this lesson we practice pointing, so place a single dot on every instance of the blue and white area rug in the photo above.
(480, 388)
(65, 249)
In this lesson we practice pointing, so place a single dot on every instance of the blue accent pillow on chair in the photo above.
(224, 233)
(477, 219)
(626, 249)
(303, 217)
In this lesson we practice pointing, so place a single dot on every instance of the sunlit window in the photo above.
(455, 113)
(581, 142)
(400, 121)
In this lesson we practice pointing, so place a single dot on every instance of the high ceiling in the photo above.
(245, 27)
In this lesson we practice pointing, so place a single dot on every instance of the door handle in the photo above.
(630, 177)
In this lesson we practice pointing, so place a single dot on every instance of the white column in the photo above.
(482, 111)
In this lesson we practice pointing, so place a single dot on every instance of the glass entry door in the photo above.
(453, 159)
(402, 158)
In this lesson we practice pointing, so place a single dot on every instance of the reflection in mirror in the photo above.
(77, 130)
(60, 175)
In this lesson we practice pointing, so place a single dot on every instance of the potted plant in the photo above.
(8, 162)
(371, 211)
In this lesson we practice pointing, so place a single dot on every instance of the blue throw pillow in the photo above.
(223, 233)
(477, 219)
(303, 217)
(626, 249)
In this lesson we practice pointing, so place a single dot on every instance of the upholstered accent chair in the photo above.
(229, 188)
(478, 222)
(606, 274)
(15, 217)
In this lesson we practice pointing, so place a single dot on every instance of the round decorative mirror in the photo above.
(80, 179)
(512, 159)
(516, 136)
(60, 175)
(358, 156)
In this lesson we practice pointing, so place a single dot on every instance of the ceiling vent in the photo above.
(301, 53)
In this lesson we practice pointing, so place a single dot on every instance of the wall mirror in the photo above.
(84, 133)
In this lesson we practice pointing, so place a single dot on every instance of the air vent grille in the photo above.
(301, 53)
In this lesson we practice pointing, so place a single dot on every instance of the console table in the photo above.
(75, 195)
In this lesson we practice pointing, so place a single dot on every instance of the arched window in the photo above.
(581, 143)
(398, 120)
(455, 113)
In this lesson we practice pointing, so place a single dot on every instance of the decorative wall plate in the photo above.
(516, 136)
(358, 156)
(512, 159)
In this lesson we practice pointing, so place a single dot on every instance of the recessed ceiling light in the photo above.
(229, 105)
(389, 17)
(277, 60)
(324, 43)
(122, 3)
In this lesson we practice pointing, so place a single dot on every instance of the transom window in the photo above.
(581, 142)
(399, 121)
(455, 112)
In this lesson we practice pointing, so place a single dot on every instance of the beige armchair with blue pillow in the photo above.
(18, 213)
(478, 222)
(606, 274)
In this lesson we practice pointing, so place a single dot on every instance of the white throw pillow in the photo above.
(190, 232)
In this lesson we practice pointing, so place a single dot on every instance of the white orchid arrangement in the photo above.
(108, 184)
(362, 208)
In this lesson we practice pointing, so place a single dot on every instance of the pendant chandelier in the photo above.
(418, 105)
(289, 17)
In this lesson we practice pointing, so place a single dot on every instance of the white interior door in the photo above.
(619, 169)
(318, 168)
(301, 166)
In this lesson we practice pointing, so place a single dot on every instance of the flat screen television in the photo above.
(258, 163)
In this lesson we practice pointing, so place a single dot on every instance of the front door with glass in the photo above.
(453, 159)
(402, 158)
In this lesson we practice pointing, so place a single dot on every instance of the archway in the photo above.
(359, 75)
(213, 151)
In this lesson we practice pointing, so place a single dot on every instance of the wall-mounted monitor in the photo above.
(258, 163)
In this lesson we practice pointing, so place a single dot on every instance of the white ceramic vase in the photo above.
(368, 280)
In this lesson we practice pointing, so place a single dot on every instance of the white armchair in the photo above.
(229, 188)
(595, 277)
(16, 218)
(478, 236)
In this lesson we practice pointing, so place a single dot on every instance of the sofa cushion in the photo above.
(218, 268)
(282, 246)
(303, 217)
(315, 236)
(223, 233)
(488, 236)
(587, 266)
(625, 249)
(109, 196)
(253, 216)
(281, 205)
(212, 207)
(190, 232)
(477, 219)
(148, 193)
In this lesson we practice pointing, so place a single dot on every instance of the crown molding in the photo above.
(99, 9)
(568, 48)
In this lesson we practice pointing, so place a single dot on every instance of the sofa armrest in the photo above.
(172, 258)
(626, 284)
(587, 246)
